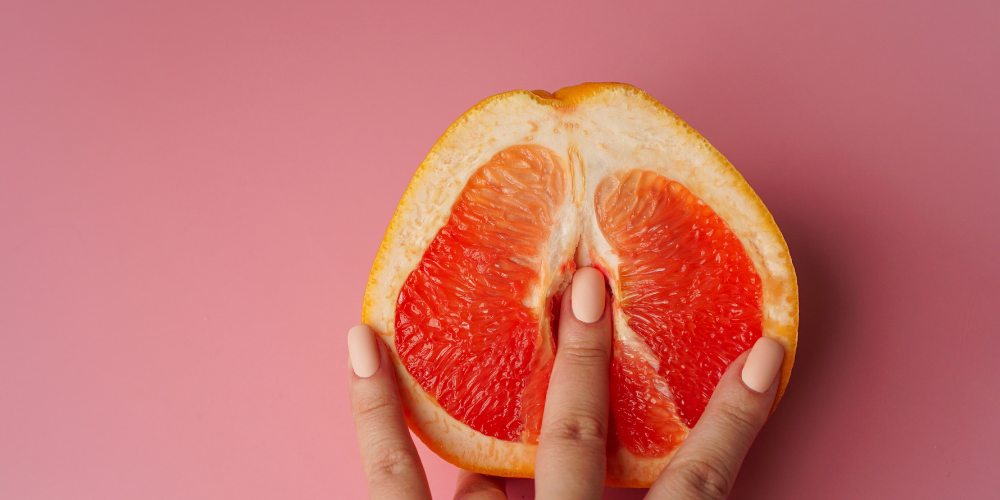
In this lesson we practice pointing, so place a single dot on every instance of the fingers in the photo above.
(570, 462)
(392, 466)
(706, 464)
(472, 486)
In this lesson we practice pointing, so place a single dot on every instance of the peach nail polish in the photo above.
(362, 347)
(763, 364)
(588, 294)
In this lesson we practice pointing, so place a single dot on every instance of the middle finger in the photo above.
(570, 462)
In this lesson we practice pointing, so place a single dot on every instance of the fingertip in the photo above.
(589, 295)
(363, 350)
(762, 364)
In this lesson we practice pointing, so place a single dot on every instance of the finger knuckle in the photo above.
(389, 461)
(743, 421)
(704, 479)
(579, 429)
(372, 405)
(585, 355)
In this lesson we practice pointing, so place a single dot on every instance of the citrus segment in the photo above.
(643, 415)
(465, 329)
(686, 285)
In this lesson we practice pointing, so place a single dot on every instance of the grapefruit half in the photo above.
(520, 191)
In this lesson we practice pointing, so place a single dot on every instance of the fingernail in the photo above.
(588, 294)
(363, 350)
(762, 364)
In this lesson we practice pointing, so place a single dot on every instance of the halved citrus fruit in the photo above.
(518, 193)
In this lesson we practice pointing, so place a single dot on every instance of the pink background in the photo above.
(191, 197)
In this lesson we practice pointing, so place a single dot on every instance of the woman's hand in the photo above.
(570, 461)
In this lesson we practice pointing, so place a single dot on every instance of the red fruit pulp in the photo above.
(462, 329)
(466, 333)
(689, 290)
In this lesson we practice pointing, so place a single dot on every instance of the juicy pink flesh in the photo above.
(690, 293)
(461, 328)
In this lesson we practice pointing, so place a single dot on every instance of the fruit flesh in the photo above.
(685, 283)
(691, 296)
(462, 327)
(643, 414)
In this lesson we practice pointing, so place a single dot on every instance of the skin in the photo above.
(570, 461)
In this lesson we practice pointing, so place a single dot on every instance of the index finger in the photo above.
(392, 466)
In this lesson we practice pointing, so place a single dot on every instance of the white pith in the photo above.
(611, 131)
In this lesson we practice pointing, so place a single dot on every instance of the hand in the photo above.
(570, 460)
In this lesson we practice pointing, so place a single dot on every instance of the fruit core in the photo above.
(470, 333)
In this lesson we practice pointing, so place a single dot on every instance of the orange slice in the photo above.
(518, 193)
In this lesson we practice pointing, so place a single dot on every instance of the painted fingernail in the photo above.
(588, 294)
(363, 350)
(762, 364)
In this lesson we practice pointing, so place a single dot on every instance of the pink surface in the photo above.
(191, 197)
